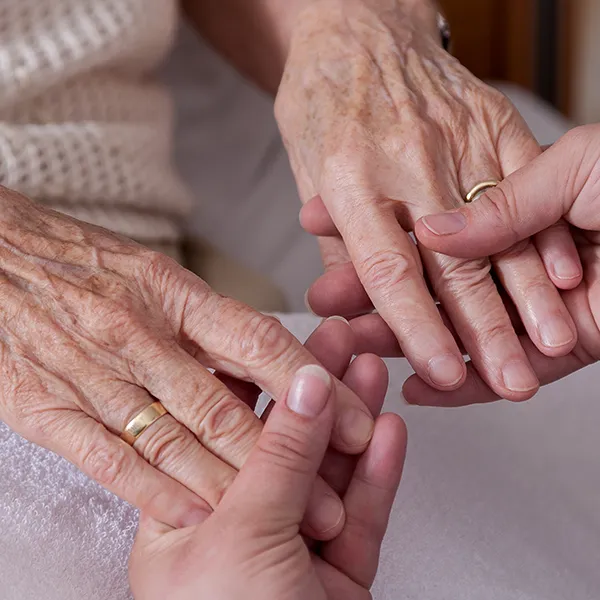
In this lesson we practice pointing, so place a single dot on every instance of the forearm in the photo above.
(255, 35)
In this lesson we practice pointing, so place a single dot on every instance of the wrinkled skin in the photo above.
(383, 127)
(562, 184)
(95, 327)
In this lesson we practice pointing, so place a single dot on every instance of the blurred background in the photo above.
(550, 47)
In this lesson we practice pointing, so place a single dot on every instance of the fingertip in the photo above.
(446, 372)
(560, 256)
(310, 391)
(307, 303)
(565, 272)
(325, 514)
(353, 428)
(338, 291)
(315, 219)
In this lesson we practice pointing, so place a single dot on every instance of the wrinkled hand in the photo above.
(250, 546)
(564, 183)
(95, 327)
(385, 127)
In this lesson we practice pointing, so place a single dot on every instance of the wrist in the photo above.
(405, 20)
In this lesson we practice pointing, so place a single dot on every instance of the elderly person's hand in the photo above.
(95, 328)
(250, 546)
(384, 127)
(564, 183)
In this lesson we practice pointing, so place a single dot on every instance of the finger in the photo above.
(166, 444)
(373, 335)
(368, 377)
(315, 219)
(332, 343)
(260, 349)
(470, 297)
(287, 456)
(117, 467)
(527, 202)
(368, 503)
(475, 389)
(228, 431)
(559, 255)
(220, 420)
(542, 311)
(516, 148)
(393, 278)
(339, 292)
(471, 300)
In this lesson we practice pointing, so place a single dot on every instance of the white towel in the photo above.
(497, 503)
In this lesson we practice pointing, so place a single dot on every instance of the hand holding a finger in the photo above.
(564, 183)
(382, 141)
(251, 546)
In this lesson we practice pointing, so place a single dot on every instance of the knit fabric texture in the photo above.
(83, 127)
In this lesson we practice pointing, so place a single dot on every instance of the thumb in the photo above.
(276, 482)
(528, 201)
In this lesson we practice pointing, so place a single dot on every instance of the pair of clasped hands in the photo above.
(251, 546)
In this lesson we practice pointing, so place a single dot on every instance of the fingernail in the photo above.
(327, 514)
(307, 304)
(445, 223)
(565, 268)
(519, 377)
(336, 318)
(355, 427)
(446, 371)
(309, 391)
(555, 332)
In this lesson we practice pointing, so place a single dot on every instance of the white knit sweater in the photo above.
(83, 128)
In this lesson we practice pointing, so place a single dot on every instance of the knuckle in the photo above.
(166, 443)
(494, 327)
(154, 266)
(105, 463)
(263, 340)
(461, 277)
(285, 450)
(228, 420)
(386, 269)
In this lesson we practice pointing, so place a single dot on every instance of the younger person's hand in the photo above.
(250, 547)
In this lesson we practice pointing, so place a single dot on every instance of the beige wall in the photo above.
(586, 91)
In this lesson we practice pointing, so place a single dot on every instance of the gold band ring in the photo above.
(479, 189)
(142, 421)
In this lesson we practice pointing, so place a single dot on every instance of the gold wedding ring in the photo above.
(142, 421)
(479, 189)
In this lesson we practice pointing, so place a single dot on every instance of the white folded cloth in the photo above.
(498, 502)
